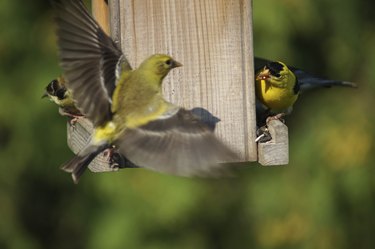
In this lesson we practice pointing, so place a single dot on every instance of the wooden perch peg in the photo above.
(276, 151)
(79, 135)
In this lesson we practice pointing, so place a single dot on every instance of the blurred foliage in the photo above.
(325, 198)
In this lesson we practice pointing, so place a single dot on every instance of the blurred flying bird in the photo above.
(126, 106)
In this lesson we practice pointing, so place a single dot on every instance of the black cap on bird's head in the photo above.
(55, 88)
(272, 68)
(275, 68)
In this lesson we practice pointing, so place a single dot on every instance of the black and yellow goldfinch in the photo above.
(57, 92)
(278, 87)
(126, 106)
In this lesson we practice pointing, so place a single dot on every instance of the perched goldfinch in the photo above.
(57, 92)
(127, 107)
(278, 87)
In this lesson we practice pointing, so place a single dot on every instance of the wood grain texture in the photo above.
(276, 151)
(213, 39)
(78, 137)
(100, 12)
(114, 15)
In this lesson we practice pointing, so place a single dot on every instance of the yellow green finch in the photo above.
(278, 86)
(57, 92)
(126, 105)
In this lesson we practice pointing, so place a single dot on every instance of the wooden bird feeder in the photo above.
(213, 40)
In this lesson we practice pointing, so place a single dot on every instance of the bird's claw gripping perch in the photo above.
(117, 161)
(278, 116)
(263, 135)
(74, 120)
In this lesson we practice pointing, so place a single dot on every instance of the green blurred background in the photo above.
(325, 197)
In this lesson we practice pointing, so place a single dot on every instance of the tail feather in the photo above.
(308, 81)
(79, 163)
(312, 83)
(349, 84)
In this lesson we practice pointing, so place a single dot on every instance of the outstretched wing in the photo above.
(180, 144)
(89, 58)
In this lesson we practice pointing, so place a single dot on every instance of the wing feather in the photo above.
(89, 58)
(181, 144)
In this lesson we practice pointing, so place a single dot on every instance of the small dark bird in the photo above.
(57, 92)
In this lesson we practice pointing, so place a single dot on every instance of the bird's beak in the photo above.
(176, 64)
(264, 75)
(44, 95)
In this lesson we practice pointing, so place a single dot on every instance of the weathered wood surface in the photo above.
(100, 12)
(213, 40)
(78, 136)
(276, 151)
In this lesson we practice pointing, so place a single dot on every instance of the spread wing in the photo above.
(89, 58)
(180, 144)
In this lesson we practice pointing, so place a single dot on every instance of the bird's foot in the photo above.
(113, 158)
(263, 135)
(116, 161)
(278, 116)
(74, 120)
(108, 153)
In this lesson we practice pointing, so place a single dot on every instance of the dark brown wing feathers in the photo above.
(89, 59)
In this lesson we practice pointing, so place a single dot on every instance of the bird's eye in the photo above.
(168, 62)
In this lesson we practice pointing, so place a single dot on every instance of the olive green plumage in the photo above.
(126, 105)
